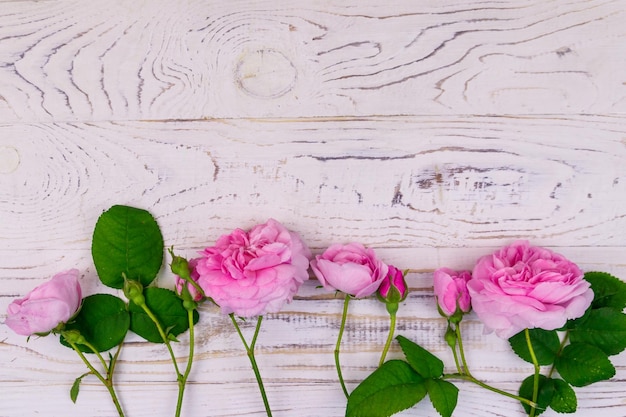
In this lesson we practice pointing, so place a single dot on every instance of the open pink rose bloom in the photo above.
(351, 269)
(522, 286)
(49, 304)
(256, 272)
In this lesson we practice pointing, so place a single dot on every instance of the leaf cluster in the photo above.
(397, 385)
(127, 246)
(581, 358)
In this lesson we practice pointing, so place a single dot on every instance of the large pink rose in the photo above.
(256, 272)
(522, 286)
(46, 306)
(351, 269)
(450, 288)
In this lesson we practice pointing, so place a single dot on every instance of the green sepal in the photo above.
(393, 387)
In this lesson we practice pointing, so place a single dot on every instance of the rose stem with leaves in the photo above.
(180, 267)
(466, 375)
(179, 377)
(537, 369)
(250, 352)
(344, 315)
(108, 381)
(134, 291)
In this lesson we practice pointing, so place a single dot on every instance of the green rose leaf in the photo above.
(103, 321)
(608, 291)
(564, 399)
(544, 395)
(76, 387)
(128, 241)
(582, 364)
(422, 361)
(443, 395)
(545, 343)
(604, 327)
(391, 388)
(167, 308)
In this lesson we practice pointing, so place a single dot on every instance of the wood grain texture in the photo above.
(432, 131)
(440, 181)
(122, 60)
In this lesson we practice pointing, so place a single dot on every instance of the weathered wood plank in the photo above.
(242, 399)
(72, 60)
(439, 181)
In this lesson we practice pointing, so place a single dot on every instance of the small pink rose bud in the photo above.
(393, 288)
(193, 292)
(451, 291)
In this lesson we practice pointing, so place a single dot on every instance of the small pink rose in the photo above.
(393, 288)
(193, 291)
(256, 272)
(522, 286)
(351, 269)
(46, 306)
(450, 288)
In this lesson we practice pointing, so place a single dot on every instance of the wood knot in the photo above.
(9, 159)
(265, 73)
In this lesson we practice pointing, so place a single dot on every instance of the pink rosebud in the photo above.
(393, 288)
(522, 287)
(451, 291)
(256, 272)
(46, 306)
(351, 269)
(193, 273)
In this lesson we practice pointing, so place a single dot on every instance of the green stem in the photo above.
(537, 369)
(456, 360)
(182, 380)
(164, 337)
(114, 362)
(563, 342)
(392, 327)
(338, 345)
(166, 340)
(470, 378)
(94, 350)
(250, 352)
(461, 350)
(106, 382)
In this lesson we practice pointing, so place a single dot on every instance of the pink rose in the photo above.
(256, 272)
(393, 288)
(351, 269)
(193, 291)
(46, 306)
(450, 288)
(522, 286)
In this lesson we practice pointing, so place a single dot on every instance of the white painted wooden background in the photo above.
(433, 131)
